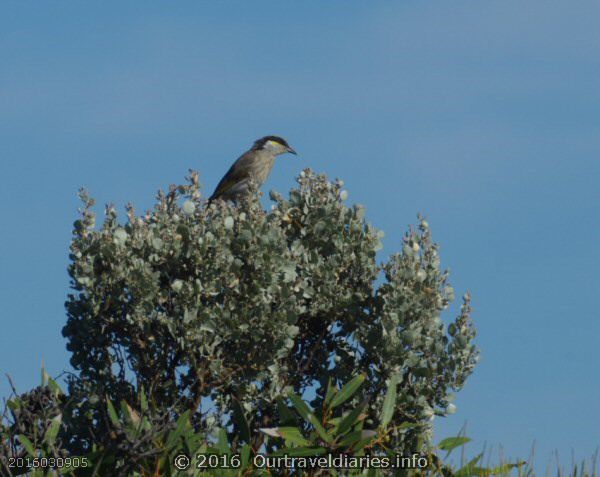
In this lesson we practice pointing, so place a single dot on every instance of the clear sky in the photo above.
(482, 115)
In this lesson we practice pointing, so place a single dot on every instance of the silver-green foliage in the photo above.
(236, 306)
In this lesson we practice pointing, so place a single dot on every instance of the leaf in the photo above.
(53, 429)
(372, 472)
(270, 431)
(96, 458)
(452, 443)
(126, 411)
(300, 451)
(189, 315)
(54, 387)
(348, 390)
(133, 415)
(240, 422)
(389, 402)
(334, 421)
(27, 444)
(188, 207)
(143, 401)
(409, 425)
(367, 437)
(222, 443)
(470, 468)
(290, 434)
(308, 416)
(157, 243)
(293, 435)
(245, 456)
(351, 439)
(180, 426)
(350, 419)
(286, 416)
(146, 425)
(331, 392)
(300, 406)
(112, 413)
(505, 468)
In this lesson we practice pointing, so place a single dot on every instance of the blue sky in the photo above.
(483, 116)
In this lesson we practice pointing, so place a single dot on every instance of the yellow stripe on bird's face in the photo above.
(274, 146)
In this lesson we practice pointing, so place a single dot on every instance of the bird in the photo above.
(256, 164)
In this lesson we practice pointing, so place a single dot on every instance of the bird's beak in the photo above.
(291, 151)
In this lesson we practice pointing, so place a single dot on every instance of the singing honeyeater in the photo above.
(255, 163)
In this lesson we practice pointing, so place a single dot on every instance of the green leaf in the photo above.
(286, 416)
(245, 454)
(54, 387)
(14, 404)
(53, 429)
(348, 390)
(470, 468)
(222, 443)
(308, 416)
(293, 435)
(126, 411)
(505, 468)
(300, 451)
(240, 422)
(409, 425)
(146, 425)
(112, 413)
(452, 443)
(180, 427)
(300, 406)
(320, 429)
(367, 438)
(99, 459)
(351, 439)
(476, 471)
(389, 402)
(334, 421)
(27, 444)
(331, 392)
(350, 419)
(143, 401)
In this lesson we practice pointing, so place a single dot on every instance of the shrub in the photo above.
(210, 307)
(226, 327)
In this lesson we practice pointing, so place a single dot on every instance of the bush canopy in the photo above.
(219, 314)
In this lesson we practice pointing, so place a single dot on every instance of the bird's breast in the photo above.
(264, 164)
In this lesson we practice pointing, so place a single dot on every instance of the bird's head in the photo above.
(274, 144)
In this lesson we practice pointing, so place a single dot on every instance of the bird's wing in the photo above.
(239, 171)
